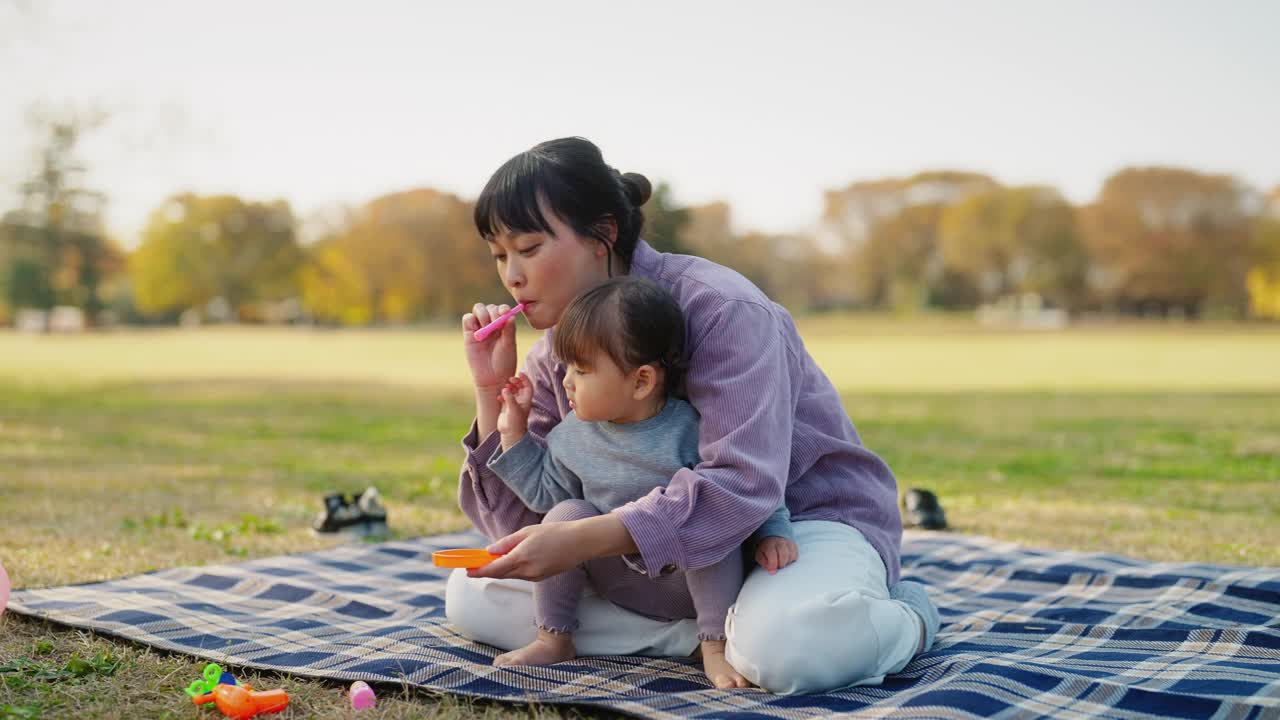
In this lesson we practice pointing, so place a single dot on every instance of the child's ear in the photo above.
(646, 381)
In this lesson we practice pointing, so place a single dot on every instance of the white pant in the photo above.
(823, 623)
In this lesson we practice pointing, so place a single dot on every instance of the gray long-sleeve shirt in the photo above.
(610, 464)
(773, 426)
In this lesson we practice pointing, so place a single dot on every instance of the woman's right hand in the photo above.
(493, 359)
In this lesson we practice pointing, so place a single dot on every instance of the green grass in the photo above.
(125, 452)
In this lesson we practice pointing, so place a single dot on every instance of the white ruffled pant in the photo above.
(823, 623)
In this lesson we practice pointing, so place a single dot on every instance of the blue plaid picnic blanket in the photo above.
(1026, 633)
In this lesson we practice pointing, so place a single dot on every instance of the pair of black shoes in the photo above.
(361, 514)
(923, 510)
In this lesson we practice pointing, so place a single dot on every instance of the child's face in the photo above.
(601, 390)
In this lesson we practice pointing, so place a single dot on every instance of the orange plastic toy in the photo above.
(463, 558)
(239, 703)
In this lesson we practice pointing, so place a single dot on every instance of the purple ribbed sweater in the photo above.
(772, 426)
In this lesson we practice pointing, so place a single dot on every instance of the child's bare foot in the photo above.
(548, 648)
(718, 670)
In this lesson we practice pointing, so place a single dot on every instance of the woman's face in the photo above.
(546, 272)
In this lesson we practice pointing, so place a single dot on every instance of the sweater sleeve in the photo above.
(495, 510)
(740, 382)
(776, 525)
(535, 475)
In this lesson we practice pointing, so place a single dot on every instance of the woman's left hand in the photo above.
(536, 552)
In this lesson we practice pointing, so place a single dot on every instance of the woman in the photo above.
(558, 221)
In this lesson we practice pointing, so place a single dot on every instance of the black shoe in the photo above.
(923, 510)
(362, 515)
(338, 513)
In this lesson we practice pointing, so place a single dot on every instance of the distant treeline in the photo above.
(1155, 240)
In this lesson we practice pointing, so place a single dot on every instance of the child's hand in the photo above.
(513, 414)
(774, 553)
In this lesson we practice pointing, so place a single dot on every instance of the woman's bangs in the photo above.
(509, 202)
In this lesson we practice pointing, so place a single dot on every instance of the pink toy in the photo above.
(4, 590)
(497, 324)
(362, 696)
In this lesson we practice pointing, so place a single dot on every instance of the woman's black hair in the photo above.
(571, 177)
(633, 320)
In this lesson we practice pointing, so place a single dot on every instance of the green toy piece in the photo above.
(213, 676)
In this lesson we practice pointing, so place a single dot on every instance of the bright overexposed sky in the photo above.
(763, 105)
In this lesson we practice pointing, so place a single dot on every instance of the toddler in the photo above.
(627, 433)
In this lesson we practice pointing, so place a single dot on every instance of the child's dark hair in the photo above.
(571, 177)
(633, 320)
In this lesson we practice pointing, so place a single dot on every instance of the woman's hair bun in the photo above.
(638, 188)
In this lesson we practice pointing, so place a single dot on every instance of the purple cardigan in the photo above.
(769, 414)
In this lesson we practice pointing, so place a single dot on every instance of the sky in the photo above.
(762, 105)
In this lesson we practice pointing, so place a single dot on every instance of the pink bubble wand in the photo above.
(497, 324)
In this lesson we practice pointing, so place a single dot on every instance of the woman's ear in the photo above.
(608, 228)
(646, 381)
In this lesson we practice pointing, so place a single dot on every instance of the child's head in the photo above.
(623, 344)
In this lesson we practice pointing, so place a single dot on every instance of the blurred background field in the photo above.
(940, 353)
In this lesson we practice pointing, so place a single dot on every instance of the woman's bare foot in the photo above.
(548, 648)
(718, 670)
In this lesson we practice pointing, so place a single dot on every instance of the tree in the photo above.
(27, 284)
(900, 258)
(1016, 240)
(1263, 278)
(883, 234)
(788, 267)
(197, 248)
(708, 231)
(405, 256)
(334, 287)
(1170, 237)
(58, 252)
(664, 221)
